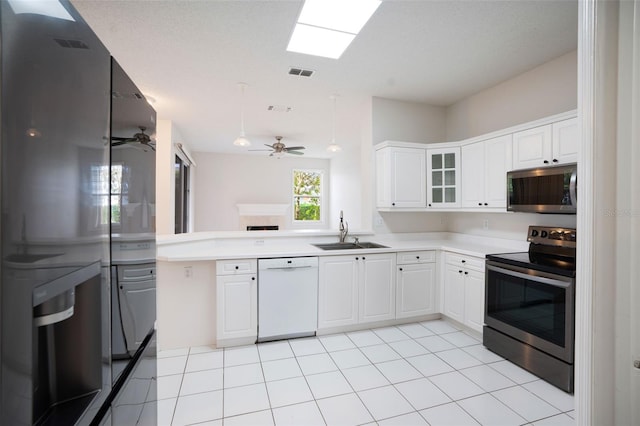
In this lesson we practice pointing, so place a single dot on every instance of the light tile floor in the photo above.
(427, 373)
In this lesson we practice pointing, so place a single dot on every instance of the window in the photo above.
(307, 195)
(110, 190)
(181, 169)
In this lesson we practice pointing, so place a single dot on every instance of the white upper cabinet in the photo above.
(400, 178)
(443, 175)
(484, 172)
(541, 146)
(565, 141)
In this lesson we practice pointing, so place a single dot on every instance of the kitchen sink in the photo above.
(349, 246)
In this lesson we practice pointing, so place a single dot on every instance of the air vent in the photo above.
(279, 108)
(301, 72)
(118, 95)
(71, 44)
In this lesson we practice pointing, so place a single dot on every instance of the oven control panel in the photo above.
(552, 236)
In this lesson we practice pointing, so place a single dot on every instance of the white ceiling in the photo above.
(190, 55)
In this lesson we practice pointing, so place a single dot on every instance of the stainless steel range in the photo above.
(530, 305)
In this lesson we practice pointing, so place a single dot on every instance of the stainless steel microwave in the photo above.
(543, 190)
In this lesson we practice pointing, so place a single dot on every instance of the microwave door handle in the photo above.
(529, 277)
(572, 188)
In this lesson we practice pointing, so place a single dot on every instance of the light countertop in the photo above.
(215, 249)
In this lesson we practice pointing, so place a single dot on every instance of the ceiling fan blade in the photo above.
(291, 148)
(115, 138)
(118, 143)
(295, 152)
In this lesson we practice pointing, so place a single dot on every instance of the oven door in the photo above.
(534, 307)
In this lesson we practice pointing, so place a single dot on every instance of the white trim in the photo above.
(585, 217)
(184, 154)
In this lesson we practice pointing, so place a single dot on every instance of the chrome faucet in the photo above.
(344, 228)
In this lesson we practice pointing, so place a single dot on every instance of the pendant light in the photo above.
(242, 140)
(333, 146)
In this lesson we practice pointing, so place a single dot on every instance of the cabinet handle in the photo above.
(479, 204)
(429, 204)
(460, 271)
(466, 273)
(555, 160)
(464, 261)
(237, 267)
(417, 257)
(486, 204)
(362, 257)
(253, 278)
(393, 204)
(400, 269)
(546, 161)
(357, 258)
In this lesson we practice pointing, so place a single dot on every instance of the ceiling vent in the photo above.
(279, 108)
(301, 72)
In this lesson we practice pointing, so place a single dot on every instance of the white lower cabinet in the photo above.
(377, 288)
(415, 284)
(337, 291)
(236, 300)
(464, 290)
(356, 289)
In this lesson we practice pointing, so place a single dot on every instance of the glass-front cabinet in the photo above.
(443, 177)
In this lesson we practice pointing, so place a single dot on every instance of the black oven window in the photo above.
(529, 306)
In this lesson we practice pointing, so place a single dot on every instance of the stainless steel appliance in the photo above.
(530, 305)
(287, 298)
(56, 227)
(54, 325)
(543, 190)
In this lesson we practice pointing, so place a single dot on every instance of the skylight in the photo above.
(327, 27)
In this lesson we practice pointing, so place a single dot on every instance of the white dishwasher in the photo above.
(287, 298)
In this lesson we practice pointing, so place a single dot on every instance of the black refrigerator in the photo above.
(57, 233)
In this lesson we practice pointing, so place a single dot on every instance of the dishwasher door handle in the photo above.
(289, 267)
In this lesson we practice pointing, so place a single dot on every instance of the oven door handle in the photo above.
(514, 272)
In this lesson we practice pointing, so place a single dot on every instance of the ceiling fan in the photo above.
(141, 138)
(280, 148)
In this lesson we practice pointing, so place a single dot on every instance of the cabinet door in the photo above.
(337, 291)
(443, 175)
(383, 178)
(498, 161)
(474, 299)
(237, 298)
(454, 292)
(532, 148)
(473, 175)
(565, 141)
(377, 287)
(400, 177)
(415, 290)
(408, 178)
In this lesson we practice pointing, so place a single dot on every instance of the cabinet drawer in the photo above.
(237, 266)
(465, 261)
(408, 257)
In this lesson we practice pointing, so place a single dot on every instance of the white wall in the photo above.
(406, 122)
(548, 89)
(225, 180)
